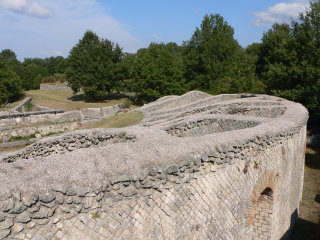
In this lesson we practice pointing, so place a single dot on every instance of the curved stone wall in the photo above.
(197, 167)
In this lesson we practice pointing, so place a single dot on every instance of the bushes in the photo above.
(10, 85)
(56, 78)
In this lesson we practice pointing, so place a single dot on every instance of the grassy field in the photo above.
(308, 225)
(64, 99)
(12, 149)
(119, 120)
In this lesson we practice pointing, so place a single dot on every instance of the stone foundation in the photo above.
(151, 182)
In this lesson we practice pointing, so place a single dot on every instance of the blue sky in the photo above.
(42, 28)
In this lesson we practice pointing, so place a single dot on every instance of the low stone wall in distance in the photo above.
(46, 86)
(51, 122)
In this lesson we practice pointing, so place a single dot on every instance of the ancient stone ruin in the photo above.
(197, 167)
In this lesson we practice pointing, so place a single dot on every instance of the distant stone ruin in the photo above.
(50, 121)
(55, 86)
(197, 167)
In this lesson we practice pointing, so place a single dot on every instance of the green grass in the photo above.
(17, 138)
(13, 149)
(119, 120)
(64, 99)
(95, 215)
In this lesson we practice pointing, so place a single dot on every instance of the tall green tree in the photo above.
(55, 65)
(307, 35)
(32, 75)
(122, 72)
(7, 54)
(91, 64)
(210, 55)
(9, 58)
(10, 85)
(289, 59)
(158, 71)
(244, 78)
(277, 58)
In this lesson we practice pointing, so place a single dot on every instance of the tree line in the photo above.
(286, 63)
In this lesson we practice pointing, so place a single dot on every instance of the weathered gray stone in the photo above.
(81, 191)
(19, 207)
(129, 191)
(172, 169)
(60, 189)
(71, 192)
(16, 195)
(46, 198)
(23, 217)
(17, 227)
(65, 208)
(34, 208)
(30, 224)
(6, 205)
(7, 223)
(42, 213)
(4, 233)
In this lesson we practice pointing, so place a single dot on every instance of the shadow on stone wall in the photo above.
(301, 229)
(305, 230)
(289, 232)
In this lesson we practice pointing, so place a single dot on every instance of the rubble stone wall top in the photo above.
(191, 156)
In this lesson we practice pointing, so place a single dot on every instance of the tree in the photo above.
(289, 59)
(122, 72)
(10, 86)
(9, 58)
(55, 65)
(7, 54)
(32, 76)
(91, 63)
(244, 78)
(158, 71)
(277, 58)
(307, 35)
(210, 54)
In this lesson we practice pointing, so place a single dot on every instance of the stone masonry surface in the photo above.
(197, 167)
(55, 121)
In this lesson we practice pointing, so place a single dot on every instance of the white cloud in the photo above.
(280, 13)
(51, 53)
(31, 37)
(25, 7)
(156, 37)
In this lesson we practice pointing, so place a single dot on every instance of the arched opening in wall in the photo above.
(262, 215)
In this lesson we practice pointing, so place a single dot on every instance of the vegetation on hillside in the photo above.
(91, 65)
(286, 63)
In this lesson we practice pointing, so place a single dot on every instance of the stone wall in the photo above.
(21, 107)
(143, 183)
(46, 86)
(51, 121)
